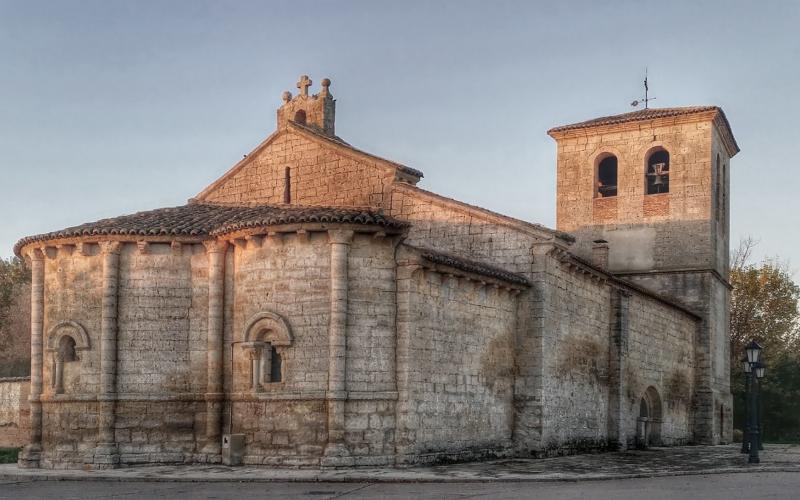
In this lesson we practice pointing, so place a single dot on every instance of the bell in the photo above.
(658, 180)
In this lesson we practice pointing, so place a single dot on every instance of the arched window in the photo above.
(64, 340)
(658, 172)
(267, 336)
(300, 117)
(607, 177)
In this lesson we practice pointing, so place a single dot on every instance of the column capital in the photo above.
(215, 246)
(110, 247)
(340, 236)
(35, 254)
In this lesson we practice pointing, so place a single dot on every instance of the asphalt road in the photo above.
(777, 485)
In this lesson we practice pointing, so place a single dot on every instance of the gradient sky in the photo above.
(111, 107)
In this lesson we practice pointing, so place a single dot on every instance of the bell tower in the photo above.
(653, 186)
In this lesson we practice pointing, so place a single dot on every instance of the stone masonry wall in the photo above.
(573, 310)
(661, 344)
(72, 284)
(288, 275)
(580, 330)
(705, 294)
(451, 226)
(163, 304)
(14, 411)
(320, 175)
(457, 369)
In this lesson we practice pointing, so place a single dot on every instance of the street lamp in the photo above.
(754, 370)
(747, 417)
(753, 351)
(761, 370)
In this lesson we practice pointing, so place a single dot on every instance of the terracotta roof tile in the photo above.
(641, 115)
(207, 219)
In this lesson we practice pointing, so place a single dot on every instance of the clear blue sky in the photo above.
(110, 107)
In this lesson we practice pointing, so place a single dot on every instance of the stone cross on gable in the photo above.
(303, 84)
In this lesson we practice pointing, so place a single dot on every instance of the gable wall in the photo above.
(320, 175)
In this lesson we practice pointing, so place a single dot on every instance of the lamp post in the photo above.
(761, 370)
(753, 351)
(747, 387)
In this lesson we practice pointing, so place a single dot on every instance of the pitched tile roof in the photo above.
(209, 219)
(472, 266)
(641, 115)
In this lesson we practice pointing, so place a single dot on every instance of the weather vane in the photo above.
(646, 99)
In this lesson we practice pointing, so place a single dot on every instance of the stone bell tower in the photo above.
(653, 186)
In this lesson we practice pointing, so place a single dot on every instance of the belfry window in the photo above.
(300, 117)
(658, 172)
(607, 177)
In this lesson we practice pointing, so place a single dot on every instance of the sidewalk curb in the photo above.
(354, 477)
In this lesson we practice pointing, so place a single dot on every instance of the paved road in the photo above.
(779, 485)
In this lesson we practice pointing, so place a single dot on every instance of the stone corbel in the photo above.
(303, 236)
(177, 248)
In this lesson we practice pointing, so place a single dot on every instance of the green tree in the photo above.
(764, 308)
(14, 317)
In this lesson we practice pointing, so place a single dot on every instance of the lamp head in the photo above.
(753, 350)
(761, 370)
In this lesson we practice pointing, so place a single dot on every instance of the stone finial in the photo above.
(286, 97)
(303, 84)
(326, 83)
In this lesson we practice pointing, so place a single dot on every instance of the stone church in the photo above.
(315, 306)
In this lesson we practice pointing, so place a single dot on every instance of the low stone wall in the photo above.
(14, 411)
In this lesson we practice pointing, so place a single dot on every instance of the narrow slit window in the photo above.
(607, 177)
(658, 172)
(275, 365)
(718, 196)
